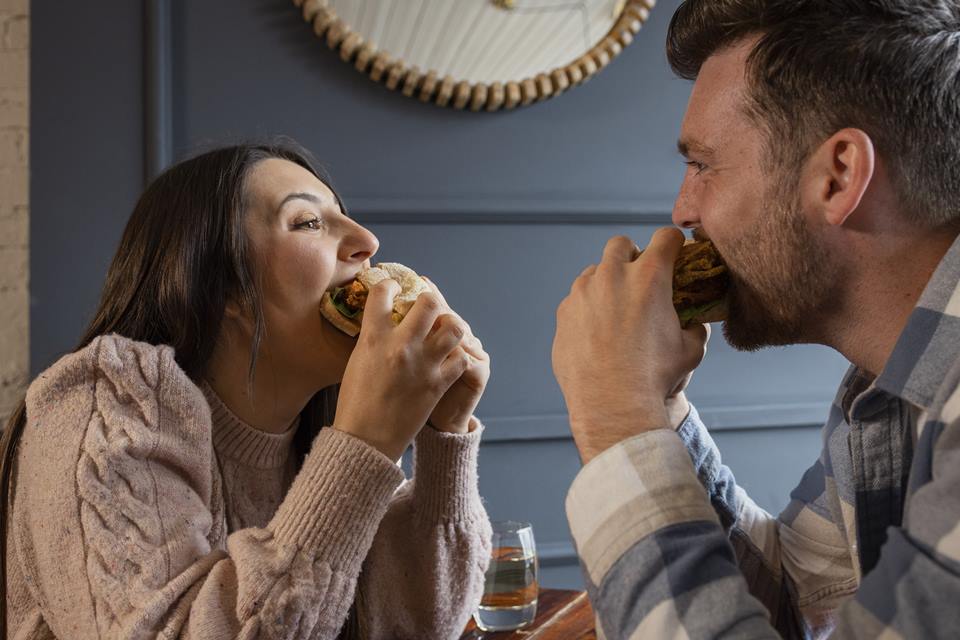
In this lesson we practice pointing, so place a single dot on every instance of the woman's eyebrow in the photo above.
(299, 195)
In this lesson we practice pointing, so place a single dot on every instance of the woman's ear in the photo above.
(236, 314)
(839, 173)
(232, 310)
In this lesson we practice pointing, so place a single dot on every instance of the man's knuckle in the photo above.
(399, 356)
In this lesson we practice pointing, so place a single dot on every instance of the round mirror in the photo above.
(477, 54)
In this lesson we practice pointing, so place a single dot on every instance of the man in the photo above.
(822, 140)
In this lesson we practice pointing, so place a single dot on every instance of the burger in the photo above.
(700, 284)
(343, 306)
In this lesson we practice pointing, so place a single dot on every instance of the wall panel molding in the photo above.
(546, 210)
(553, 426)
(553, 554)
(157, 87)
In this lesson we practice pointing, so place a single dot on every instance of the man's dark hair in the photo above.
(888, 67)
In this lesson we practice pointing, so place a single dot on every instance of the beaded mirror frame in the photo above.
(463, 86)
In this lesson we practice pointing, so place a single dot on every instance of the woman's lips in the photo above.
(343, 283)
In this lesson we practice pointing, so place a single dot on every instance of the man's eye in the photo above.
(698, 166)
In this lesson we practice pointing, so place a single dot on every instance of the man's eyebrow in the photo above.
(686, 146)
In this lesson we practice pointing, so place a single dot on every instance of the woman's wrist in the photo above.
(391, 448)
(460, 426)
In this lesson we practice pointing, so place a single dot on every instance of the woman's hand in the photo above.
(398, 373)
(454, 412)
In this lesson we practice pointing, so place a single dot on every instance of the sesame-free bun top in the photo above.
(411, 286)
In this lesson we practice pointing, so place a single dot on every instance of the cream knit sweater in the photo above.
(143, 508)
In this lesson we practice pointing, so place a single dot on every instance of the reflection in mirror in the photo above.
(481, 54)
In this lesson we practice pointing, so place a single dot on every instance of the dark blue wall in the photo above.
(476, 201)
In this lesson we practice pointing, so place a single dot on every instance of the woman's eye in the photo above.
(698, 166)
(313, 224)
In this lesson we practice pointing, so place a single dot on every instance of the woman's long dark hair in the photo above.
(183, 255)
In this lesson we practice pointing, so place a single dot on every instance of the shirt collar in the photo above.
(930, 342)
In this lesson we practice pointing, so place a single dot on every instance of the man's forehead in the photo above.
(727, 66)
(716, 105)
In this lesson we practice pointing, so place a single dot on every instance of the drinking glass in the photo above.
(511, 584)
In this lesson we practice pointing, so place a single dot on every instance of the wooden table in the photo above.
(561, 615)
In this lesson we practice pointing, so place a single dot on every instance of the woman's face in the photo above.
(302, 244)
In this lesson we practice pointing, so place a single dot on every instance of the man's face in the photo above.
(783, 278)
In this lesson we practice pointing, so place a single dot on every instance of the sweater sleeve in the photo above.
(113, 524)
(424, 575)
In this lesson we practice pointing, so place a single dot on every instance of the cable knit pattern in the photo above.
(128, 523)
(136, 532)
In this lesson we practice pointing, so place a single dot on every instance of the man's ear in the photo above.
(839, 173)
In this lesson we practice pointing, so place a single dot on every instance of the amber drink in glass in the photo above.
(511, 585)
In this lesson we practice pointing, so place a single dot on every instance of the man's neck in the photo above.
(883, 294)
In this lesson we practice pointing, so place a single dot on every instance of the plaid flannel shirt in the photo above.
(868, 547)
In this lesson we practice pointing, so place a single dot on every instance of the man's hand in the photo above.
(619, 353)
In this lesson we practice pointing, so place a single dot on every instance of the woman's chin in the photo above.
(339, 342)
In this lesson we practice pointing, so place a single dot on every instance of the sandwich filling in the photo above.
(351, 299)
(700, 280)
(344, 306)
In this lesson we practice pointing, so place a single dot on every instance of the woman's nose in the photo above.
(359, 244)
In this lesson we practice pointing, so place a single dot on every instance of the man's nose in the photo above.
(685, 215)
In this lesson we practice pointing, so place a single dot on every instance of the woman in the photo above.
(160, 483)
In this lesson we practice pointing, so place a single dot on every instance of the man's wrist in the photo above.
(642, 415)
(596, 430)
(678, 408)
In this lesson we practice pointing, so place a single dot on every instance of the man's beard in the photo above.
(782, 280)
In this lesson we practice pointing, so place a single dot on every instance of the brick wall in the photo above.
(14, 198)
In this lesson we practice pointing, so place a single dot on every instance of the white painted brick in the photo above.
(11, 393)
(14, 344)
(14, 147)
(16, 32)
(13, 313)
(9, 210)
(15, 228)
(15, 7)
(14, 185)
(14, 267)
(14, 107)
(14, 198)
(14, 69)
